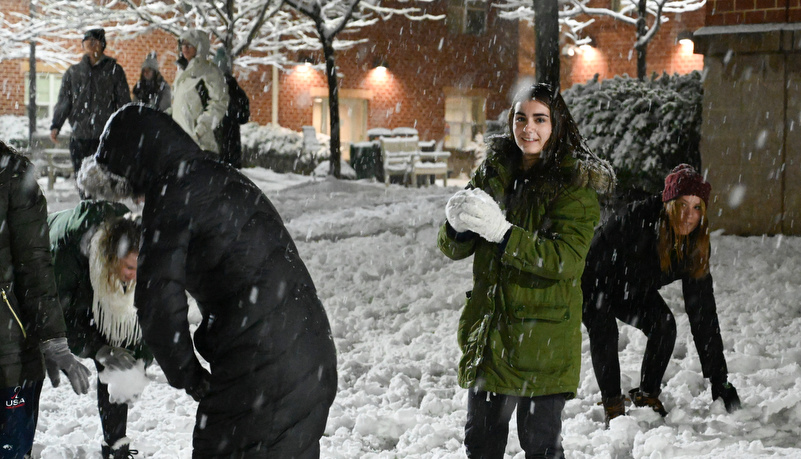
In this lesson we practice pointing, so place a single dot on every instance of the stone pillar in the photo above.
(751, 132)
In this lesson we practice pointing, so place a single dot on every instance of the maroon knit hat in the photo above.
(684, 180)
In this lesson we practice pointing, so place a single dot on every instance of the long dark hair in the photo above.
(565, 138)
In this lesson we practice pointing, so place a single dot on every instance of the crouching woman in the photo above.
(653, 243)
(95, 247)
(528, 217)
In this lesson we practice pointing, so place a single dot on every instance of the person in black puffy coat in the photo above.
(209, 231)
(652, 243)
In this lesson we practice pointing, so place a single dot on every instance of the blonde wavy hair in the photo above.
(694, 247)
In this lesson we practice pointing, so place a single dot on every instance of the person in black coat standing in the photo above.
(227, 133)
(209, 231)
(653, 243)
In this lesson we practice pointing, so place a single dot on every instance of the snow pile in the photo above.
(280, 149)
(394, 302)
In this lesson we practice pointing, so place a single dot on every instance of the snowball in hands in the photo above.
(125, 385)
(453, 210)
(481, 214)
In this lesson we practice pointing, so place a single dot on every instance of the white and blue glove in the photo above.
(480, 214)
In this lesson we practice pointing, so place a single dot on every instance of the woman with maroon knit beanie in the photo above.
(653, 243)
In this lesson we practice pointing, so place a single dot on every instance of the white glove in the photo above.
(482, 215)
(453, 210)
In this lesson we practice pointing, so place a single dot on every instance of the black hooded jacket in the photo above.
(208, 230)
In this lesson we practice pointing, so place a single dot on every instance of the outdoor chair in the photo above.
(398, 155)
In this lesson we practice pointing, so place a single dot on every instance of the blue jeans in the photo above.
(18, 416)
(539, 425)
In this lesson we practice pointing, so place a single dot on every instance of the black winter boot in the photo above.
(640, 398)
(728, 393)
(613, 407)
(121, 449)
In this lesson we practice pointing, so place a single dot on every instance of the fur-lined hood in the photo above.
(584, 167)
(138, 145)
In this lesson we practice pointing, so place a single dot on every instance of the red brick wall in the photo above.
(422, 58)
(614, 54)
(733, 12)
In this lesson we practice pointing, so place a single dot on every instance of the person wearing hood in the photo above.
(227, 134)
(33, 340)
(200, 95)
(91, 91)
(528, 217)
(209, 231)
(652, 243)
(95, 247)
(152, 89)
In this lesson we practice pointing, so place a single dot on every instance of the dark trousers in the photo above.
(647, 312)
(539, 425)
(80, 149)
(113, 416)
(18, 417)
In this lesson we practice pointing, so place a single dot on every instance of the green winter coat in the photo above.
(29, 311)
(70, 234)
(520, 330)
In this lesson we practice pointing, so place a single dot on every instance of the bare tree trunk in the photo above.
(333, 107)
(32, 87)
(546, 27)
(642, 49)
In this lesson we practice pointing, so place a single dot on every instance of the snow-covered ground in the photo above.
(393, 301)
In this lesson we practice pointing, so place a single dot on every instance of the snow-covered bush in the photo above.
(644, 128)
(280, 149)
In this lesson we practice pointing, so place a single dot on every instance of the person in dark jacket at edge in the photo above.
(528, 217)
(227, 133)
(209, 231)
(95, 248)
(152, 89)
(91, 91)
(33, 338)
(654, 242)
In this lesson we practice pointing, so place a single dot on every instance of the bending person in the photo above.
(654, 243)
(95, 247)
(208, 230)
(528, 217)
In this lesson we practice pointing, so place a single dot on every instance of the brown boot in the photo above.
(640, 398)
(613, 407)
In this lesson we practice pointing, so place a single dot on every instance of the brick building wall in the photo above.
(423, 60)
(735, 12)
(613, 52)
(750, 141)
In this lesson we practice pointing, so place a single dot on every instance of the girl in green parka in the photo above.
(528, 217)
(95, 249)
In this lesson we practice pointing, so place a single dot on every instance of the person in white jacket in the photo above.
(200, 95)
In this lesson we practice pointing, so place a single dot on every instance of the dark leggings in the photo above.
(113, 416)
(647, 312)
(539, 425)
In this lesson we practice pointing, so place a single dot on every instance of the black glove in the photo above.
(201, 387)
(58, 357)
(115, 358)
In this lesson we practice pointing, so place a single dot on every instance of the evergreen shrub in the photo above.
(643, 128)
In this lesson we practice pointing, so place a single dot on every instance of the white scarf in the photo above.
(113, 301)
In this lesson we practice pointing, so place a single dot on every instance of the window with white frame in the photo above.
(352, 120)
(47, 87)
(464, 119)
(467, 16)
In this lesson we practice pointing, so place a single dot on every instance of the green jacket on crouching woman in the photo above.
(520, 330)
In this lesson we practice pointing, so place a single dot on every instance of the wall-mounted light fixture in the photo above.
(380, 63)
(306, 59)
(685, 38)
(588, 42)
